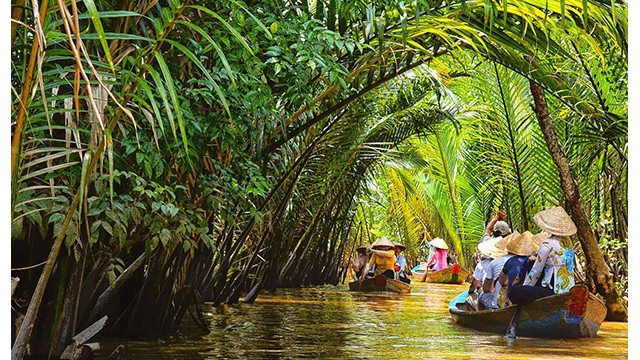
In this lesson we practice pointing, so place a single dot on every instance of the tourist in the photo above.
(525, 251)
(384, 257)
(490, 287)
(401, 263)
(488, 252)
(495, 230)
(496, 227)
(439, 260)
(553, 266)
(361, 261)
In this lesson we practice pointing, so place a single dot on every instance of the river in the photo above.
(331, 322)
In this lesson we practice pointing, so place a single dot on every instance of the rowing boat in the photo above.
(454, 274)
(574, 314)
(380, 283)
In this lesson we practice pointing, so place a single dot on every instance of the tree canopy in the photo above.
(169, 152)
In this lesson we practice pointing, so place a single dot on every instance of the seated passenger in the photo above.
(384, 257)
(488, 252)
(361, 261)
(524, 249)
(554, 264)
(490, 288)
(494, 231)
(401, 263)
(439, 259)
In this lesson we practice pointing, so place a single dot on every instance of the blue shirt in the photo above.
(512, 268)
(402, 263)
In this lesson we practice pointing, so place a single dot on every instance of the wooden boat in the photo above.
(576, 313)
(454, 274)
(380, 283)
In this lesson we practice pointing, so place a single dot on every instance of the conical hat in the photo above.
(363, 247)
(537, 238)
(555, 221)
(383, 241)
(439, 243)
(488, 248)
(398, 245)
(522, 245)
(502, 244)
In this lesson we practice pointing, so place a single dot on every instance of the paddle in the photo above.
(424, 276)
(513, 326)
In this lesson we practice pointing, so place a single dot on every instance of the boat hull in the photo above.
(380, 283)
(574, 314)
(450, 275)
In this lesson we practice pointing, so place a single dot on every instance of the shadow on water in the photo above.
(331, 322)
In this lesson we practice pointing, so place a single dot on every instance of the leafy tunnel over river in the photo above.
(171, 154)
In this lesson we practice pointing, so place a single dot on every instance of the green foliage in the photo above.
(217, 137)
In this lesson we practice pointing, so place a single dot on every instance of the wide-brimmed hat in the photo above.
(383, 241)
(502, 227)
(555, 221)
(398, 245)
(439, 243)
(502, 243)
(363, 247)
(522, 245)
(488, 248)
(537, 238)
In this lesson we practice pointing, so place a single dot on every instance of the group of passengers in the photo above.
(517, 268)
(381, 258)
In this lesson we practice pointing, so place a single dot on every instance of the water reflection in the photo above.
(331, 322)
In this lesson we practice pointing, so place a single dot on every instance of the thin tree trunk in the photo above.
(16, 14)
(112, 290)
(599, 277)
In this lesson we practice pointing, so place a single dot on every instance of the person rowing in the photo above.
(439, 260)
(383, 257)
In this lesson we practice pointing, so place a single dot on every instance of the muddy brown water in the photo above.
(332, 323)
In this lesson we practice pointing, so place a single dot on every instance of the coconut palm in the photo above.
(223, 156)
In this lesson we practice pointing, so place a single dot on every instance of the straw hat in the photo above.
(488, 248)
(522, 245)
(555, 221)
(502, 244)
(398, 245)
(439, 244)
(383, 241)
(502, 227)
(537, 238)
(362, 248)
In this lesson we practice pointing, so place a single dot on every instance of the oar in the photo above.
(513, 326)
(424, 276)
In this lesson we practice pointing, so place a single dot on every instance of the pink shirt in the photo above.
(439, 258)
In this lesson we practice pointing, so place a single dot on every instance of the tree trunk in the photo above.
(599, 277)
(16, 14)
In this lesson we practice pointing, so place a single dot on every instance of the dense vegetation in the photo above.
(166, 153)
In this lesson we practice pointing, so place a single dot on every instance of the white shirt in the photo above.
(493, 271)
(481, 269)
(495, 267)
(549, 261)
